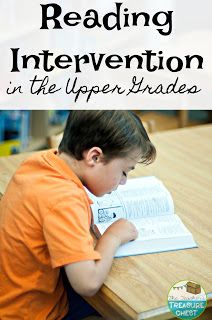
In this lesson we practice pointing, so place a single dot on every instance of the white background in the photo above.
(20, 23)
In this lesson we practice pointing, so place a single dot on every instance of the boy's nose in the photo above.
(123, 180)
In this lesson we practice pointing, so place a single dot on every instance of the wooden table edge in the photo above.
(163, 313)
(120, 310)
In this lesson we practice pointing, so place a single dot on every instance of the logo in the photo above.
(187, 300)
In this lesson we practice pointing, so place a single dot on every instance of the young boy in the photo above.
(45, 216)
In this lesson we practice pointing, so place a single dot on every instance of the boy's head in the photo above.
(117, 133)
(114, 140)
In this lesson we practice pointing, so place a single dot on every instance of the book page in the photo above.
(107, 208)
(138, 198)
(145, 197)
(169, 226)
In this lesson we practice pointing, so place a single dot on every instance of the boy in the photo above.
(45, 216)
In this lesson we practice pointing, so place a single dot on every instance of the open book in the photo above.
(149, 205)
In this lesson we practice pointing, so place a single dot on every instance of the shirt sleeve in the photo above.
(67, 231)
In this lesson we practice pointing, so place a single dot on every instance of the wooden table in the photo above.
(137, 287)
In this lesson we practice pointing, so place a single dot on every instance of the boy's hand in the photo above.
(78, 273)
(123, 231)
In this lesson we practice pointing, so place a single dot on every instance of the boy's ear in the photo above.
(93, 156)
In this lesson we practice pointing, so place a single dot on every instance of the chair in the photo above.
(54, 140)
(149, 124)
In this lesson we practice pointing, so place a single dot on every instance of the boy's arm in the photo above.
(86, 277)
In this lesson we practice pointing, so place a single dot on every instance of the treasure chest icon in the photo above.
(193, 287)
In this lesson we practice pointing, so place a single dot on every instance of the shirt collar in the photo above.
(51, 156)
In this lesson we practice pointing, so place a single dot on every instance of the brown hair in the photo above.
(116, 132)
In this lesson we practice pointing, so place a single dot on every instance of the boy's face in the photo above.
(106, 177)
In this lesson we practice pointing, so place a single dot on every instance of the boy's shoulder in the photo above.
(47, 176)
